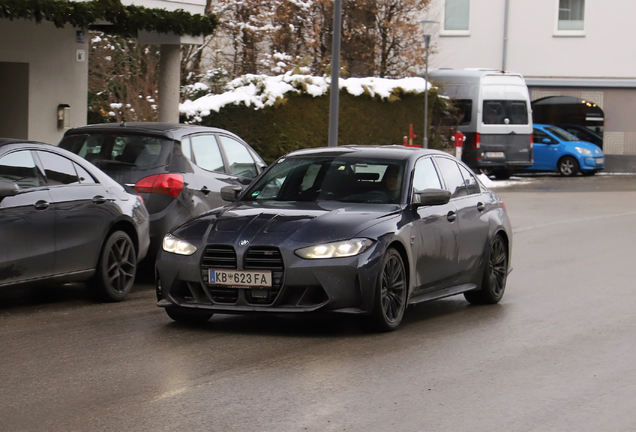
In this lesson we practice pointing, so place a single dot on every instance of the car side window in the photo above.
(425, 176)
(452, 177)
(539, 136)
(238, 157)
(84, 176)
(185, 148)
(58, 169)
(19, 167)
(469, 180)
(207, 154)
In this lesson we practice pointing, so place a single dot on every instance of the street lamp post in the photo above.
(427, 27)
(335, 74)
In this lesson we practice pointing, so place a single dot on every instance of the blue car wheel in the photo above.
(568, 166)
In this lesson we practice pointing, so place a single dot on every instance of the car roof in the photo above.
(5, 141)
(468, 76)
(169, 130)
(396, 152)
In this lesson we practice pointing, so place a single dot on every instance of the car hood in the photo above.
(275, 223)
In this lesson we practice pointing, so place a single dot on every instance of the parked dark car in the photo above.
(63, 220)
(583, 133)
(178, 169)
(358, 229)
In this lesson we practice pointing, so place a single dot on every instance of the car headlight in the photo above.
(341, 249)
(583, 150)
(180, 247)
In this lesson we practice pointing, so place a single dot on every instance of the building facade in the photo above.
(574, 48)
(44, 73)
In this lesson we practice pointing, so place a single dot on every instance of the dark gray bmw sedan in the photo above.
(357, 229)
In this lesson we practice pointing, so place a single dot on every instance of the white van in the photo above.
(496, 120)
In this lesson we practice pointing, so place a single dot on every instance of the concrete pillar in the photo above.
(169, 83)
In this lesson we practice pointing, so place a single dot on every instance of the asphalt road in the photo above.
(557, 354)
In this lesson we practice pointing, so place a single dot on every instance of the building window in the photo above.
(571, 15)
(456, 15)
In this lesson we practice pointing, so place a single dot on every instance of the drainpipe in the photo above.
(505, 37)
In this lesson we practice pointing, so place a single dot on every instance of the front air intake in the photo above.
(219, 257)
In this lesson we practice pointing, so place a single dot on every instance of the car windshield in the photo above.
(561, 134)
(330, 179)
(106, 150)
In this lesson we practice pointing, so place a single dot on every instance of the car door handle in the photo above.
(451, 216)
(480, 206)
(205, 190)
(41, 205)
(98, 199)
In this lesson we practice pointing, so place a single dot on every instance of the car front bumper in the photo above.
(592, 163)
(335, 285)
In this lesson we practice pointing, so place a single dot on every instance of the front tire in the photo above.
(493, 283)
(186, 317)
(390, 293)
(568, 166)
(116, 268)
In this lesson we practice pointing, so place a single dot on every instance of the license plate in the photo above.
(240, 278)
(599, 161)
(495, 155)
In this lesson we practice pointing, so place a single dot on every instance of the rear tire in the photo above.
(186, 317)
(568, 166)
(486, 171)
(116, 268)
(390, 293)
(493, 283)
(502, 174)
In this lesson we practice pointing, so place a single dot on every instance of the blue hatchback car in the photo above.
(558, 150)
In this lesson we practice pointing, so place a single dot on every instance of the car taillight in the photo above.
(531, 141)
(504, 206)
(168, 184)
(477, 141)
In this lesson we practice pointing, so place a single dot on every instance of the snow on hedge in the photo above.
(261, 91)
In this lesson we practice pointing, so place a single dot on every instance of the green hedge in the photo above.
(302, 121)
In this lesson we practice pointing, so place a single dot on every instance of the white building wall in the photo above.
(534, 47)
(55, 77)
(192, 6)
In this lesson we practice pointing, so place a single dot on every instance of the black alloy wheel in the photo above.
(184, 316)
(116, 268)
(568, 166)
(495, 275)
(391, 291)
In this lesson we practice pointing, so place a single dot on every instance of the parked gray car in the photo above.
(178, 169)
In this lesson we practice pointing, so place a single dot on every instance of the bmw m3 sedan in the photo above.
(358, 229)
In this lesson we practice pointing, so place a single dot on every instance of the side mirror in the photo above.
(431, 197)
(546, 141)
(230, 193)
(8, 188)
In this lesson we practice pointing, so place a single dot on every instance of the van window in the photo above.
(518, 112)
(464, 111)
(497, 111)
(494, 111)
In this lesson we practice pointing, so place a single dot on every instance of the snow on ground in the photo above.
(491, 184)
(615, 174)
(260, 91)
